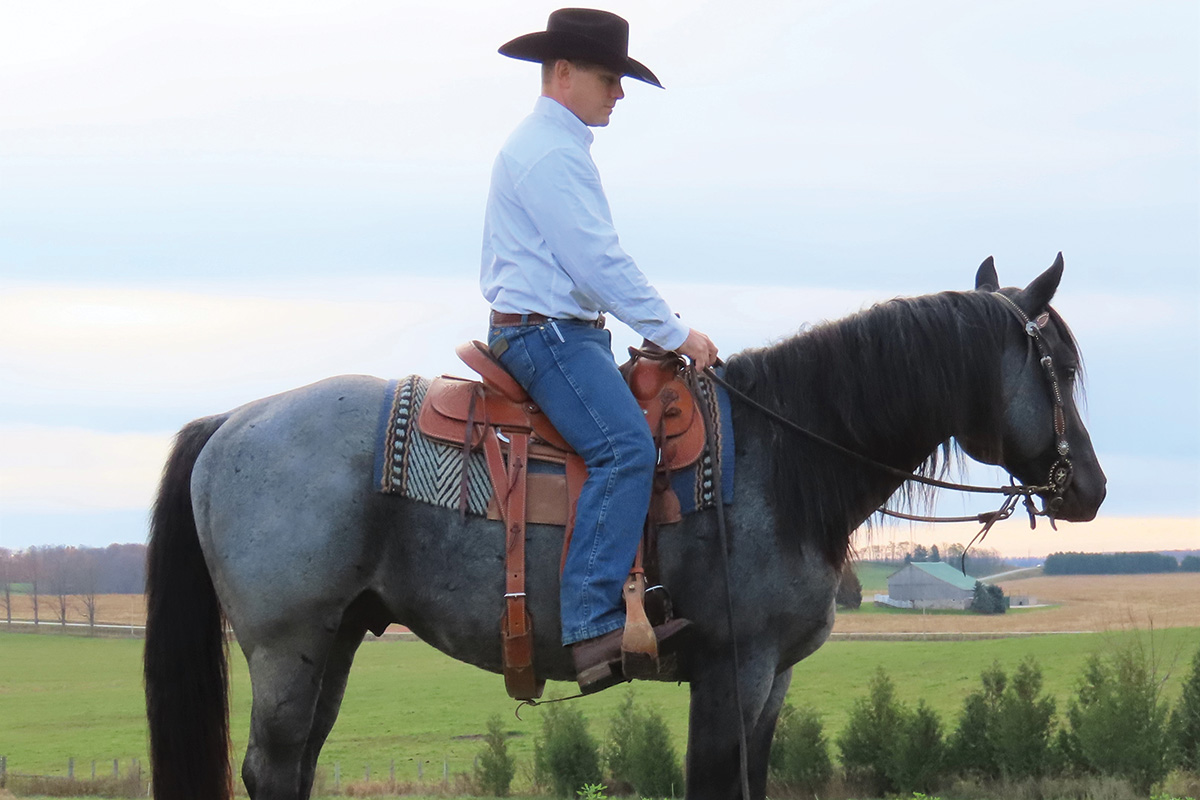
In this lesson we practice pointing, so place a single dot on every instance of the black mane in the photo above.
(894, 381)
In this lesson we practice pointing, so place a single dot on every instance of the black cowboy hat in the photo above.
(583, 34)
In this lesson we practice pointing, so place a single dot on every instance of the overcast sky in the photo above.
(201, 204)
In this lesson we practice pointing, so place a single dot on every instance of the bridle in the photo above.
(1058, 480)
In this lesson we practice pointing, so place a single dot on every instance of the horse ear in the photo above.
(986, 279)
(1040, 292)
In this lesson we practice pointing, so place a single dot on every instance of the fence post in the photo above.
(445, 772)
(93, 769)
(71, 768)
(367, 774)
(3, 771)
(337, 776)
(392, 774)
(420, 770)
(116, 768)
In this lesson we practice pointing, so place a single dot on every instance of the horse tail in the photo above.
(186, 656)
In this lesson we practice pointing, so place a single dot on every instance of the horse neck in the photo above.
(893, 383)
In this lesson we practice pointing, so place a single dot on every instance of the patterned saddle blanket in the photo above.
(412, 465)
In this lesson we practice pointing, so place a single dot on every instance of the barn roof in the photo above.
(944, 572)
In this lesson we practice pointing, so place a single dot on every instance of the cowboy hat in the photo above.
(583, 34)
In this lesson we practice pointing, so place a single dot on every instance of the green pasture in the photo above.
(64, 697)
(873, 576)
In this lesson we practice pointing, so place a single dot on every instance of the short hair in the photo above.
(548, 66)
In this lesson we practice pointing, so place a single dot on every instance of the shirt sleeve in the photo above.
(565, 200)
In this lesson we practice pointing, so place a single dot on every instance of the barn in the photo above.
(931, 585)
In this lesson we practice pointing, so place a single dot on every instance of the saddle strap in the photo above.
(516, 626)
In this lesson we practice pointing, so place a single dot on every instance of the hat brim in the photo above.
(543, 46)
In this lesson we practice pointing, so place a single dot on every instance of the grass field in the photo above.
(63, 697)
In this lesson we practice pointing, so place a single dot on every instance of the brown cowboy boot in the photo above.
(598, 660)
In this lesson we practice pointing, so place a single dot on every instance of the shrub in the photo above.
(800, 751)
(495, 768)
(1185, 723)
(565, 755)
(970, 747)
(1118, 725)
(918, 754)
(849, 591)
(866, 742)
(639, 753)
(987, 599)
(1022, 734)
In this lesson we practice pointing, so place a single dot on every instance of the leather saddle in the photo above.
(497, 415)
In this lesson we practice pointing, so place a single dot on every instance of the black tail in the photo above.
(186, 664)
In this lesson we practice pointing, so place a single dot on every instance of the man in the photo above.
(552, 266)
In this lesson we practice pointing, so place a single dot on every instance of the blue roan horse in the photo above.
(267, 517)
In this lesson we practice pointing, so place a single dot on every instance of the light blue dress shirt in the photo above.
(549, 245)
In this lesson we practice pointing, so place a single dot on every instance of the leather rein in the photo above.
(1059, 478)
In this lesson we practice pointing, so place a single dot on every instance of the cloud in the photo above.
(71, 469)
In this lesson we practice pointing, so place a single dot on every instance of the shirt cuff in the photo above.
(671, 334)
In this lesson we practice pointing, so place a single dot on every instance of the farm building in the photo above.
(930, 585)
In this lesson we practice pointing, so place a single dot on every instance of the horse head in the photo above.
(1041, 439)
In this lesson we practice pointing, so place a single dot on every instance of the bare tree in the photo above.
(6, 558)
(34, 557)
(86, 573)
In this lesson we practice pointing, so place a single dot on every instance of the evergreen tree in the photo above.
(918, 755)
(565, 755)
(495, 769)
(970, 747)
(1022, 733)
(934, 555)
(800, 751)
(866, 743)
(1185, 722)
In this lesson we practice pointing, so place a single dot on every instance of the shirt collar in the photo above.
(549, 107)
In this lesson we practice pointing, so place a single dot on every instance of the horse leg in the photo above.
(764, 732)
(333, 688)
(713, 758)
(286, 678)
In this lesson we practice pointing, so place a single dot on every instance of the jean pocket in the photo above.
(515, 357)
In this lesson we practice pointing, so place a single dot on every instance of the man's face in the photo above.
(591, 92)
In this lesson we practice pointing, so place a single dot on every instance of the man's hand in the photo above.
(699, 348)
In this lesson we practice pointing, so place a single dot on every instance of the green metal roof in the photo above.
(944, 572)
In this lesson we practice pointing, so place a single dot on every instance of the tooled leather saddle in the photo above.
(497, 415)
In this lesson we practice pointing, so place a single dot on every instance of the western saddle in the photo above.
(497, 415)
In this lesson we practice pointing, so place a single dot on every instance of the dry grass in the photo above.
(113, 609)
(1080, 603)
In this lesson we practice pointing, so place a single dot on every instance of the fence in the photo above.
(335, 780)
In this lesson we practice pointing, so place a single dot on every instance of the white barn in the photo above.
(931, 585)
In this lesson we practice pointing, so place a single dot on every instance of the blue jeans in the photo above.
(568, 369)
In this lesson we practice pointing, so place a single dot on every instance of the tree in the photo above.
(565, 755)
(1119, 723)
(867, 741)
(849, 592)
(1185, 722)
(1190, 564)
(495, 768)
(934, 555)
(918, 754)
(920, 554)
(970, 747)
(639, 753)
(800, 751)
(6, 565)
(1021, 735)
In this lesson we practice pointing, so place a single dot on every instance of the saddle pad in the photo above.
(411, 465)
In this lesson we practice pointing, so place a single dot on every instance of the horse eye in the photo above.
(1069, 373)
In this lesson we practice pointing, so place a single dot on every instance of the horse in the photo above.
(267, 520)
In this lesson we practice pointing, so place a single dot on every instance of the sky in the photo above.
(203, 204)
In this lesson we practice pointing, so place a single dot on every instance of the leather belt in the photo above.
(500, 319)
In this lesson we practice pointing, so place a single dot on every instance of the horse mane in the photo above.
(892, 381)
